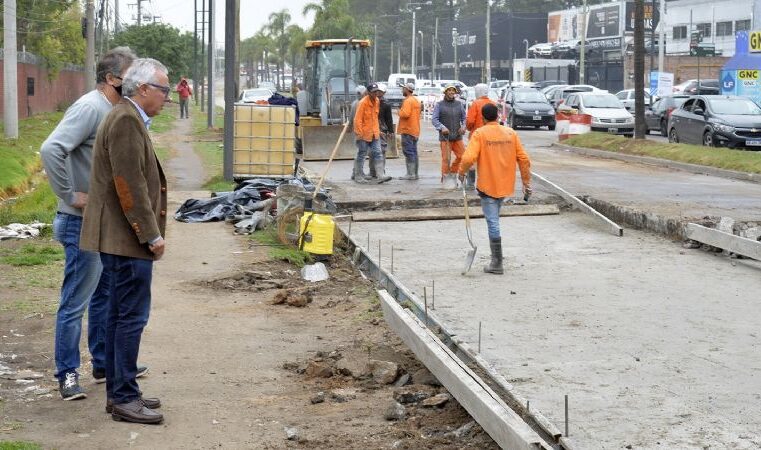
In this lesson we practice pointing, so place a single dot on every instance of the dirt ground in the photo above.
(232, 369)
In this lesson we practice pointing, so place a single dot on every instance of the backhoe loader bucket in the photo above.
(318, 142)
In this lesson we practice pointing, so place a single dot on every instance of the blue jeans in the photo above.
(409, 146)
(128, 283)
(491, 207)
(81, 275)
(373, 148)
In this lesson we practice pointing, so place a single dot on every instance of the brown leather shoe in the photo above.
(135, 412)
(148, 402)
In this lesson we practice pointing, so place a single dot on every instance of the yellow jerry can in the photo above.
(317, 233)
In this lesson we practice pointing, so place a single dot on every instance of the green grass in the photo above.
(39, 205)
(723, 158)
(31, 254)
(279, 251)
(19, 445)
(218, 184)
(19, 158)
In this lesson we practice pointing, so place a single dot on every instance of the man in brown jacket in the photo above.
(125, 221)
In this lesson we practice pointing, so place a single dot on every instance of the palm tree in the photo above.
(262, 47)
(296, 47)
(278, 22)
(331, 19)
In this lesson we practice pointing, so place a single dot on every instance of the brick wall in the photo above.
(683, 67)
(49, 95)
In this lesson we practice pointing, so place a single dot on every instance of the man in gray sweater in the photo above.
(67, 157)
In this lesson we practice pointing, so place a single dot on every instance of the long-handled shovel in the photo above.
(472, 252)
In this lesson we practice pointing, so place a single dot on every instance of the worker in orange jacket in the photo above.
(409, 129)
(496, 150)
(367, 129)
(475, 120)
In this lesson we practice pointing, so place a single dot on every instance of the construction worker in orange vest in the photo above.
(475, 120)
(497, 150)
(409, 129)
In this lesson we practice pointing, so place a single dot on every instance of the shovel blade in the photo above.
(469, 260)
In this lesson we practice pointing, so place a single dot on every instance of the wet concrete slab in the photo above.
(656, 346)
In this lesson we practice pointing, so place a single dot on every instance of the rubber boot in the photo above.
(416, 166)
(470, 180)
(358, 175)
(495, 266)
(380, 170)
(411, 175)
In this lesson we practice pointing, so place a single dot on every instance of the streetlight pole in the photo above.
(414, 72)
(456, 63)
(582, 53)
(375, 52)
(422, 51)
(488, 41)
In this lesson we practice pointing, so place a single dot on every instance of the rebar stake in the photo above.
(528, 406)
(368, 244)
(479, 337)
(566, 415)
(348, 237)
(425, 303)
(392, 259)
(379, 253)
(433, 294)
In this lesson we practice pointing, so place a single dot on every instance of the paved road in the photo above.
(651, 189)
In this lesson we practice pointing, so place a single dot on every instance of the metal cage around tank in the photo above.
(264, 142)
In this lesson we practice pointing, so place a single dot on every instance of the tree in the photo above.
(296, 51)
(162, 42)
(51, 29)
(278, 22)
(331, 20)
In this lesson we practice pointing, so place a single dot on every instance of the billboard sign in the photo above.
(652, 16)
(604, 22)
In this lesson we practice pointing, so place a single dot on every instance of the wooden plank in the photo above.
(730, 242)
(507, 429)
(411, 215)
(575, 201)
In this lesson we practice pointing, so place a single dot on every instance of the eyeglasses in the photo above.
(164, 89)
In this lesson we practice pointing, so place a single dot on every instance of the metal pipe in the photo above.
(566, 415)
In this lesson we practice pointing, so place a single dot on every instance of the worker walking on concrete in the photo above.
(409, 128)
(358, 168)
(496, 150)
(474, 121)
(449, 119)
(367, 129)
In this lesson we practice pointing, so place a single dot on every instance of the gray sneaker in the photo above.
(69, 387)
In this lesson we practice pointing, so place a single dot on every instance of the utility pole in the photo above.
(210, 110)
(435, 40)
(652, 35)
(488, 41)
(422, 49)
(582, 53)
(391, 60)
(139, 12)
(195, 51)
(10, 67)
(90, 51)
(231, 73)
(117, 25)
(201, 76)
(455, 40)
(639, 70)
(662, 36)
(375, 51)
(414, 63)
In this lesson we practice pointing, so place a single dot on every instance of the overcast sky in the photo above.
(253, 13)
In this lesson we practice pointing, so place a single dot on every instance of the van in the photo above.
(398, 79)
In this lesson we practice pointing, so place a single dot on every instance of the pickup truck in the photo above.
(394, 96)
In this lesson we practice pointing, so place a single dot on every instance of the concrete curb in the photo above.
(649, 160)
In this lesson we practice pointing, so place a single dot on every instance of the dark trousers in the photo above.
(128, 283)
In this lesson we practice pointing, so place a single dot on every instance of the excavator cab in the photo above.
(334, 69)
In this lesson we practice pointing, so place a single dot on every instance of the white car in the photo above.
(608, 113)
(679, 88)
(497, 84)
(542, 50)
(255, 95)
(444, 83)
(627, 98)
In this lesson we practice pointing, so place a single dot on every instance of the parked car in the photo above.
(255, 95)
(559, 95)
(546, 83)
(496, 84)
(608, 113)
(548, 91)
(716, 121)
(566, 49)
(429, 94)
(657, 115)
(542, 50)
(527, 107)
(627, 98)
(705, 87)
(444, 83)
